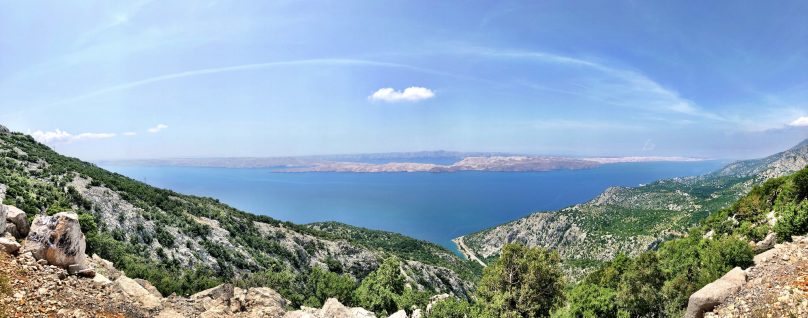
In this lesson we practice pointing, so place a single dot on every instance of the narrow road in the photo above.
(466, 251)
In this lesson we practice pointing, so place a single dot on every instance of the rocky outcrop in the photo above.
(137, 293)
(9, 244)
(3, 209)
(16, 221)
(633, 220)
(714, 293)
(777, 285)
(56, 239)
(331, 309)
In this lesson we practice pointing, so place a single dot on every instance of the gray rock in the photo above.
(714, 293)
(766, 244)
(148, 286)
(3, 213)
(9, 244)
(56, 239)
(137, 293)
(18, 218)
(399, 314)
(4, 130)
(331, 309)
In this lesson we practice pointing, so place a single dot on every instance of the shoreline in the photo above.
(461, 246)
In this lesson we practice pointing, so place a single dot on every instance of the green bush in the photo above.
(523, 282)
(380, 291)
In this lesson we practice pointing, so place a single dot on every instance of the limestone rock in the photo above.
(3, 214)
(136, 292)
(331, 309)
(9, 244)
(766, 244)
(417, 313)
(57, 239)
(399, 314)
(218, 296)
(714, 293)
(148, 286)
(264, 302)
(17, 217)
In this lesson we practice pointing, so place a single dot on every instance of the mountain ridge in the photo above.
(632, 220)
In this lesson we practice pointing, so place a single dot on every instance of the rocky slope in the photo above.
(776, 286)
(632, 220)
(185, 243)
(36, 288)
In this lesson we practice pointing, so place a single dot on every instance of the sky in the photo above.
(157, 79)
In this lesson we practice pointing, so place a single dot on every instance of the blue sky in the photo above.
(116, 79)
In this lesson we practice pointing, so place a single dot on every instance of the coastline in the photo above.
(461, 246)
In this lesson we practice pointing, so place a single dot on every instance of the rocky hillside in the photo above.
(777, 286)
(184, 244)
(36, 288)
(632, 220)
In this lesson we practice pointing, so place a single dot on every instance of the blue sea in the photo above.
(430, 206)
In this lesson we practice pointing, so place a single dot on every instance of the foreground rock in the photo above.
(714, 293)
(16, 222)
(332, 309)
(777, 286)
(56, 239)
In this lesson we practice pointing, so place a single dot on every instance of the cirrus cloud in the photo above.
(410, 94)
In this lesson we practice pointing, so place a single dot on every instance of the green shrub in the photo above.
(523, 282)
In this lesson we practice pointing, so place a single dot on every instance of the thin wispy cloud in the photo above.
(238, 68)
(623, 87)
(409, 94)
(61, 136)
(157, 128)
(129, 133)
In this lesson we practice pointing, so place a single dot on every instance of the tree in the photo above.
(379, 291)
(638, 293)
(592, 301)
(523, 282)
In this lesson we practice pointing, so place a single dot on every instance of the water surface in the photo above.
(430, 206)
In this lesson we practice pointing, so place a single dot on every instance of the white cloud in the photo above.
(157, 128)
(410, 94)
(130, 133)
(800, 122)
(61, 136)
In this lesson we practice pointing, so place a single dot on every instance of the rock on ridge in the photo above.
(711, 295)
(57, 239)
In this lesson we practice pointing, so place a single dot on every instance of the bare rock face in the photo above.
(16, 219)
(56, 239)
(714, 293)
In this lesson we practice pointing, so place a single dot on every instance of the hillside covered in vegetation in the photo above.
(633, 220)
(184, 244)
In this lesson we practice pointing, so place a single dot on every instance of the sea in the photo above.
(436, 207)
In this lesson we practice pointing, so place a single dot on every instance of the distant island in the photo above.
(425, 161)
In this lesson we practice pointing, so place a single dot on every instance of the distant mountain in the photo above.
(632, 220)
(184, 243)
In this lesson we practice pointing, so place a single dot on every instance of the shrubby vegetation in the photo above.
(523, 282)
(658, 283)
(38, 179)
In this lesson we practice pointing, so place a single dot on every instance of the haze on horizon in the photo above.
(156, 79)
